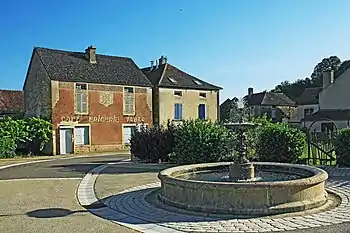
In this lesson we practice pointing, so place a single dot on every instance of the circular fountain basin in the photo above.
(278, 188)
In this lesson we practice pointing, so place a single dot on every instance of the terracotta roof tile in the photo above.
(11, 101)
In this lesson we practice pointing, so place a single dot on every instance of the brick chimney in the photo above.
(90, 54)
(328, 77)
(163, 60)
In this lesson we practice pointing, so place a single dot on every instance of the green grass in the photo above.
(305, 155)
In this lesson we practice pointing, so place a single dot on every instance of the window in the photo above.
(177, 111)
(203, 95)
(252, 111)
(128, 131)
(129, 108)
(197, 82)
(81, 134)
(172, 80)
(273, 113)
(327, 127)
(308, 111)
(201, 111)
(81, 99)
(178, 93)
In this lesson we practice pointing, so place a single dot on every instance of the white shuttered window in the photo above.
(129, 108)
(81, 134)
(81, 99)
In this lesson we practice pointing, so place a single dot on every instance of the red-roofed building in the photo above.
(11, 102)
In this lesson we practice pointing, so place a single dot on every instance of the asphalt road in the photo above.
(65, 168)
(77, 168)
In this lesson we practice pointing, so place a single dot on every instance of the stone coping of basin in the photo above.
(318, 176)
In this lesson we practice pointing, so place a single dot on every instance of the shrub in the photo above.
(342, 147)
(7, 147)
(39, 132)
(252, 135)
(153, 144)
(198, 141)
(280, 143)
(32, 132)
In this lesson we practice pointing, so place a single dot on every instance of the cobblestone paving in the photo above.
(132, 202)
(129, 208)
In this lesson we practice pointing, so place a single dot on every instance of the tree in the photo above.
(333, 62)
(296, 88)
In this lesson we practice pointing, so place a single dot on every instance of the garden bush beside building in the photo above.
(342, 147)
(154, 144)
(23, 136)
(198, 141)
(280, 142)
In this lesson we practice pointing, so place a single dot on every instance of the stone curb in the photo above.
(87, 198)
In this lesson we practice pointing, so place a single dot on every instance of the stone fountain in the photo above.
(241, 169)
(281, 188)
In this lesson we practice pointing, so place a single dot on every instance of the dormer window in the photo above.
(203, 95)
(178, 93)
(197, 82)
(173, 80)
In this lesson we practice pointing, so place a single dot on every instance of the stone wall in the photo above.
(37, 90)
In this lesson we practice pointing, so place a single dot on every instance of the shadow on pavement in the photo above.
(52, 213)
(48, 213)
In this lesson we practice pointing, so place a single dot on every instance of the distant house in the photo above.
(226, 108)
(277, 106)
(95, 101)
(178, 95)
(308, 102)
(11, 103)
(333, 100)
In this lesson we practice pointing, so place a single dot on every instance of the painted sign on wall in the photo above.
(101, 119)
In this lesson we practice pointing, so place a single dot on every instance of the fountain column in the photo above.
(241, 168)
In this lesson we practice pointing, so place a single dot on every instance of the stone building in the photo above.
(277, 106)
(179, 96)
(95, 101)
(333, 105)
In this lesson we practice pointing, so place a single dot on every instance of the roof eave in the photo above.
(191, 88)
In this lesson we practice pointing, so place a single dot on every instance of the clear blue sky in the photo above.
(231, 43)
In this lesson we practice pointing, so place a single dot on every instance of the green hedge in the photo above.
(153, 144)
(199, 141)
(24, 136)
(342, 147)
(280, 143)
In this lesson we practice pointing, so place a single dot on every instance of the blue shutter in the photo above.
(177, 111)
(201, 111)
(180, 111)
